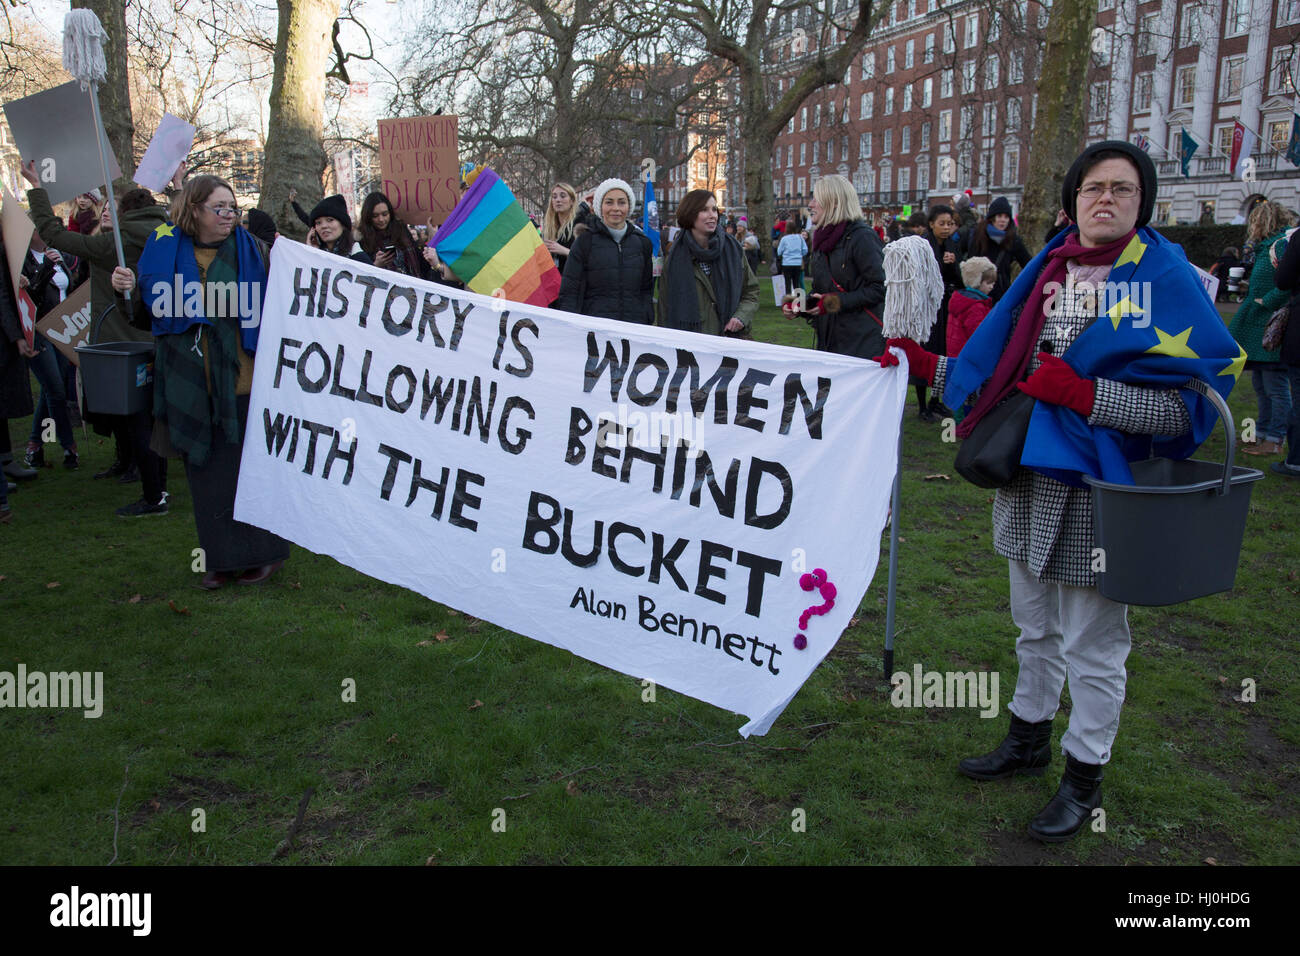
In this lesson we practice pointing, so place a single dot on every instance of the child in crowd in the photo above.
(968, 307)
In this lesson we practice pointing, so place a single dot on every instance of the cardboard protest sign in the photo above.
(778, 290)
(1210, 282)
(171, 143)
(643, 497)
(69, 325)
(419, 165)
(17, 229)
(56, 129)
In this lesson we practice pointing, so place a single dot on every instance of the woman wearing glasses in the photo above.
(203, 372)
(1103, 329)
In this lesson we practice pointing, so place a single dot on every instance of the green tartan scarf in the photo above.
(181, 399)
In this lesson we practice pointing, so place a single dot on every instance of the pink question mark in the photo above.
(816, 579)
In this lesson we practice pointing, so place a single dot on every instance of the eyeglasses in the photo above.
(222, 211)
(1117, 190)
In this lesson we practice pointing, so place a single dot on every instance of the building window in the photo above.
(844, 149)
(945, 126)
(904, 182)
(986, 168)
(968, 76)
(1016, 70)
(865, 111)
(967, 122)
(972, 31)
(889, 60)
(803, 156)
(1013, 115)
(925, 136)
(803, 186)
(1223, 139)
(817, 115)
(1237, 20)
(990, 127)
(909, 55)
(816, 152)
(905, 140)
(927, 92)
(887, 142)
(889, 101)
(949, 38)
(884, 180)
(1011, 166)
(1142, 93)
(789, 156)
(869, 65)
(945, 84)
(1288, 11)
(803, 118)
(1096, 102)
(1189, 27)
(864, 146)
(1230, 80)
(1146, 44)
(907, 97)
(1284, 64)
(929, 44)
(789, 127)
(991, 66)
(1279, 135)
(923, 179)
(1185, 86)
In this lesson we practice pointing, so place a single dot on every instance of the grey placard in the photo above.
(56, 128)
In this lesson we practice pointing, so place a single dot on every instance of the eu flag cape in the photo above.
(1158, 329)
(171, 291)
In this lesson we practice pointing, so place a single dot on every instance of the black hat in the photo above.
(999, 207)
(1146, 172)
(336, 208)
(261, 225)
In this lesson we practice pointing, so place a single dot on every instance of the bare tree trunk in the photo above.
(295, 157)
(114, 93)
(1061, 124)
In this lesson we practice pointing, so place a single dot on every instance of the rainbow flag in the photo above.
(493, 247)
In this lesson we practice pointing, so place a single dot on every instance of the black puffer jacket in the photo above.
(854, 271)
(614, 280)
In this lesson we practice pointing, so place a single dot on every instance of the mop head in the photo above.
(83, 47)
(913, 289)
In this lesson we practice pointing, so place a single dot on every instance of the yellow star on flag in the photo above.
(1132, 252)
(1173, 345)
(1235, 367)
(1122, 308)
(164, 230)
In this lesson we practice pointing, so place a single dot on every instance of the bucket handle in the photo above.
(1229, 429)
(94, 329)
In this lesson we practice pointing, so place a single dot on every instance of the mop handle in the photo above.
(100, 137)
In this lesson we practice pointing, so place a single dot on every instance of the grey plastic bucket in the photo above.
(117, 376)
(1174, 534)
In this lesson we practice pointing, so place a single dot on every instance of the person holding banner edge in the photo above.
(1109, 382)
(203, 373)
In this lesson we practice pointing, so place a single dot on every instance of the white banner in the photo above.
(645, 498)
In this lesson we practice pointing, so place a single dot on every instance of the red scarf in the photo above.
(1015, 358)
(827, 238)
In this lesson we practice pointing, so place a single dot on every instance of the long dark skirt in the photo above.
(228, 545)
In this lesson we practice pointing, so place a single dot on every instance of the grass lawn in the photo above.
(231, 703)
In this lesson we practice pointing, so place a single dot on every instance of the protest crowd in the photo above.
(990, 341)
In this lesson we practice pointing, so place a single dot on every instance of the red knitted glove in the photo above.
(1057, 383)
(920, 363)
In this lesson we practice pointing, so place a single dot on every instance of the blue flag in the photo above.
(650, 215)
(1293, 148)
(1158, 329)
(1190, 146)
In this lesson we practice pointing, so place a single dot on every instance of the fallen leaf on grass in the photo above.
(424, 643)
(453, 612)
(473, 623)
(135, 599)
(572, 789)
(1211, 861)
(2, 577)
(932, 477)
(392, 739)
(442, 636)
(296, 585)
(476, 705)
(852, 621)
(178, 610)
(52, 584)
(431, 861)
(155, 804)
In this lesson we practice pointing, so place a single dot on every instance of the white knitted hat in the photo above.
(609, 184)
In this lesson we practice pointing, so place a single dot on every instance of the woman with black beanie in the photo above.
(331, 230)
(995, 237)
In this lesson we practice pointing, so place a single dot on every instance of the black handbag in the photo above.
(990, 456)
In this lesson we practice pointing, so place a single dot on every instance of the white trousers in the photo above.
(1074, 633)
